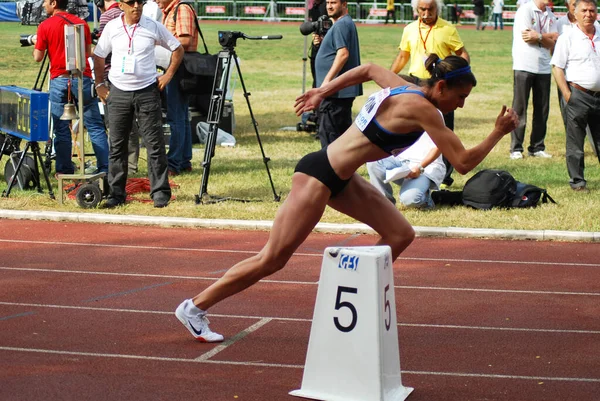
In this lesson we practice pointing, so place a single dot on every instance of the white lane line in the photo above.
(100, 273)
(232, 340)
(290, 366)
(210, 250)
(145, 357)
(291, 319)
(199, 278)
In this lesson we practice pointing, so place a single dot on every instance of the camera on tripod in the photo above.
(229, 38)
(27, 40)
(320, 26)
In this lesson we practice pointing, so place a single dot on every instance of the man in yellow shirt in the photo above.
(429, 34)
(391, 11)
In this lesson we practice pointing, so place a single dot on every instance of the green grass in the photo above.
(272, 72)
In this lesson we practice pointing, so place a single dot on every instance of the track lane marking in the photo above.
(200, 278)
(233, 340)
(292, 319)
(290, 366)
(210, 250)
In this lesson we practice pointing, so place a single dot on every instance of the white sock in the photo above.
(192, 309)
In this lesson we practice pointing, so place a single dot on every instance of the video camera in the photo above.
(320, 26)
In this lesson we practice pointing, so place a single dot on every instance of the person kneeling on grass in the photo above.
(390, 121)
(420, 168)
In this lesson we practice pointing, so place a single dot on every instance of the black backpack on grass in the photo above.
(529, 196)
(490, 188)
(498, 188)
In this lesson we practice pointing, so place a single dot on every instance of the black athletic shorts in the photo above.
(317, 165)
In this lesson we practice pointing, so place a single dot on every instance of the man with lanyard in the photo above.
(534, 36)
(110, 10)
(180, 20)
(429, 34)
(51, 38)
(338, 52)
(135, 92)
(576, 68)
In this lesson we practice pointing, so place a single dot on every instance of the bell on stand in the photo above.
(69, 112)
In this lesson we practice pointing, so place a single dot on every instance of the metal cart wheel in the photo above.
(88, 196)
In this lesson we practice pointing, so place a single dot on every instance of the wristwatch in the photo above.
(540, 38)
(421, 169)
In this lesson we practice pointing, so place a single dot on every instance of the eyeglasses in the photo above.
(132, 2)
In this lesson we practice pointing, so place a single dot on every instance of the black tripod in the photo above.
(226, 56)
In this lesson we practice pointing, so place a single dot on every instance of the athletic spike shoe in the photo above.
(196, 323)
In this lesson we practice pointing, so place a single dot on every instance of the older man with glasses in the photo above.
(135, 92)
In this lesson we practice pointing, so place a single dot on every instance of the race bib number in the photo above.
(368, 111)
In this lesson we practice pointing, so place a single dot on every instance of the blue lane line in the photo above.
(119, 294)
(17, 315)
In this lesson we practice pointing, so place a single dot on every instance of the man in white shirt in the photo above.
(576, 68)
(563, 25)
(534, 36)
(498, 8)
(424, 168)
(135, 92)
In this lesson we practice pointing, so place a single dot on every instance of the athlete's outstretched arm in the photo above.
(383, 77)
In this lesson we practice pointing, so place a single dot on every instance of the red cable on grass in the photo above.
(133, 186)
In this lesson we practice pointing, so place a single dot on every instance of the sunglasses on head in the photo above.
(131, 3)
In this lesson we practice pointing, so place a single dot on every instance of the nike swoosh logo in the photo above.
(194, 329)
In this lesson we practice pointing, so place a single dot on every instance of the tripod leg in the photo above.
(35, 148)
(214, 115)
(255, 125)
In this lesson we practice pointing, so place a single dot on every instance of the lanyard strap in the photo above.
(127, 32)
(542, 23)
(426, 36)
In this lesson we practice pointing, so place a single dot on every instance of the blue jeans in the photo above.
(414, 192)
(180, 144)
(92, 120)
(498, 17)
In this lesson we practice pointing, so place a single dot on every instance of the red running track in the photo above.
(86, 313)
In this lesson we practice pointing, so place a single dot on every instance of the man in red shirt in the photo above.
(51, 38)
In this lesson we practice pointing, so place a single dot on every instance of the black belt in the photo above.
(581, 88)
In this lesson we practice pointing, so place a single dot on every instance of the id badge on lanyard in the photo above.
(128, 61)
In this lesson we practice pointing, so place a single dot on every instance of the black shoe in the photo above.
(161, 201)
(112, 203)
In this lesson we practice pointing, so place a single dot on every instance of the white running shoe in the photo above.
(540, 153)
(197, 324)
(516, 155)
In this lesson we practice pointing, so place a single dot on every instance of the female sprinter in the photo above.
(389, 122)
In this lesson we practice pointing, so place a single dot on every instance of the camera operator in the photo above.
(339, 52)
(51, 38)
(318, 10)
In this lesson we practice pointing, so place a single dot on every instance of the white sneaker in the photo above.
(540, 153)
(197, 324)
(516, 155)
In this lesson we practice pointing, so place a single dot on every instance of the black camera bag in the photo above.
(197, 70)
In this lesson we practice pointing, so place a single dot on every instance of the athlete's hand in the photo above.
(507, 120)
(308, 101)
